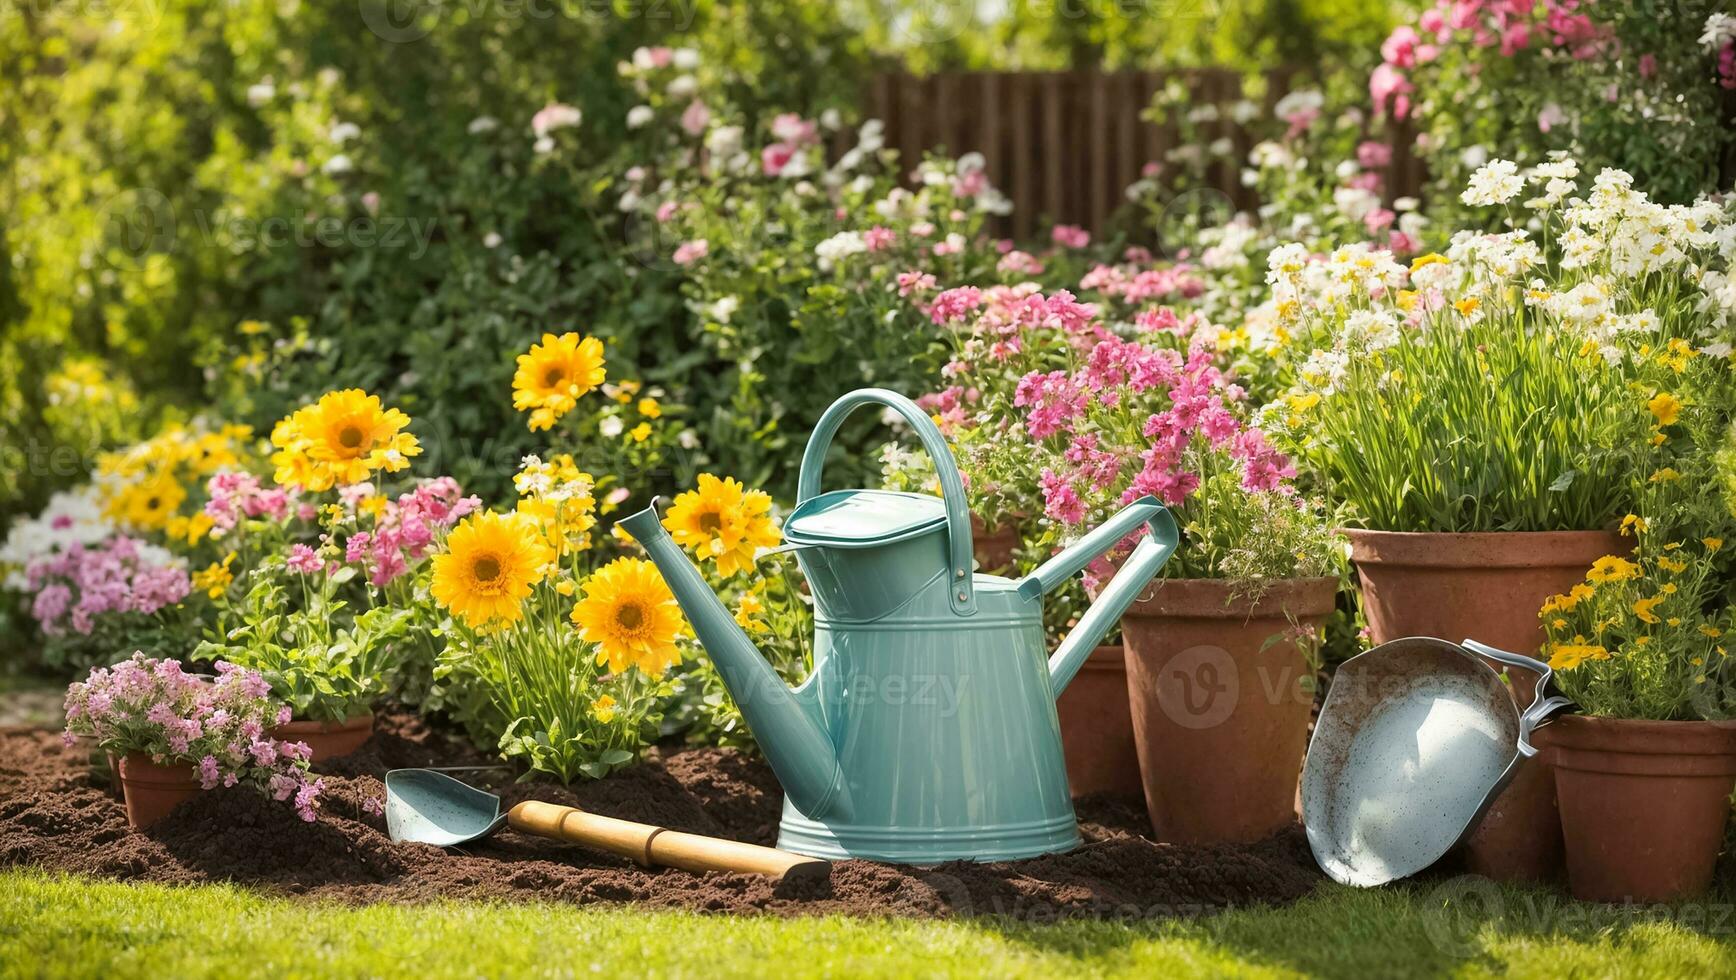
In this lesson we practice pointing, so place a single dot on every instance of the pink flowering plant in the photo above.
(1043, 389)
(87, 599)
(1641, 87)
(220, 726)
(337, 620)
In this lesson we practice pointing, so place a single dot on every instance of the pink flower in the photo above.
(1017, 263)
(791, 128)
(1399, 49)
(1070, 236)
(1388, 85)
(303, 559)
(1060, 501)
(879, 239)
(914, 282)
(695, 118)
(690, 252)
(775, 157)
(667, 210)
(1052, 400)
(953, 304)
(1373, 154)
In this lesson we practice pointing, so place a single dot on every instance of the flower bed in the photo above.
(54, 814)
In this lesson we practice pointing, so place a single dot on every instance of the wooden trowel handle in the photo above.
(654, 845)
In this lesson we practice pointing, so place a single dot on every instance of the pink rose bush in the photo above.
(1631, 86)
(220, 726)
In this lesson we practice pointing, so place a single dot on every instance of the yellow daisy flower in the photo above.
(215, 578)
(1611, 568)
(489, 566)
(340, 440)
(724, 521)
(747, 608)
(1566, 656)
(554, 375)
(630, 614)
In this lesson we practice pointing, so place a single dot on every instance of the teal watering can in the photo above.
(927, 731)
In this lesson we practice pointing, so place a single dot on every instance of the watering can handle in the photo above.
(962, 593)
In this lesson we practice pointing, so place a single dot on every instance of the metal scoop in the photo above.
(430, 807)
(1416, 738)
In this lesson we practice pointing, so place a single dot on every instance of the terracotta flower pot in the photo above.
(151, 790)
(1221, 696)
(1643, 804)
(1481, 586)
(994, 549)
(1484, 586)
(1097, 728)
(328, 739)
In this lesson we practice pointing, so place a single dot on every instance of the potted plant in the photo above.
(327, 665)
(1476, 414)
(1219, 656)
(176, 733)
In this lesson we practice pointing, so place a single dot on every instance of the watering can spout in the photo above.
(1141, 566)
(800, 752)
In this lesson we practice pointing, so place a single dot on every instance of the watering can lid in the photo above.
(863, 518)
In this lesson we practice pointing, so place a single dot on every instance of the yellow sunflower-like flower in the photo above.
(630, 614)
(724, 521)
(148, 503)
(554, 375)
(488, 568)
(340, 440)
(1612, 568)
(1567, 602)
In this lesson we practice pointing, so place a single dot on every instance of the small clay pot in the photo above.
(151, 790)
(1097, 728)
(328, 739)
(1643, 804)
(1221, 697)
(993, 549)
(1484, 586)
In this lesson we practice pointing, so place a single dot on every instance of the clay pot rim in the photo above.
(299, 726)
(1482, 549)
(1214, 598)
(1642, 736)
(137, 767)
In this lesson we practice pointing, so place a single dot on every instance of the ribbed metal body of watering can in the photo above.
(927, 731)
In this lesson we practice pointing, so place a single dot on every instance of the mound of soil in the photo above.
(57, 812)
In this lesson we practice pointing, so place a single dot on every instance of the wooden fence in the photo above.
(1065, 145)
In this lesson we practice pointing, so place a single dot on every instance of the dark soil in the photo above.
(58, 812)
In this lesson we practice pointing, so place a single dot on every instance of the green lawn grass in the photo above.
(55, 925)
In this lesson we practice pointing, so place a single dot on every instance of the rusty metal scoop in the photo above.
(430, 807)
(1415, 739)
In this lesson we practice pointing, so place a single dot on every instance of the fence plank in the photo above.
(1065, 145)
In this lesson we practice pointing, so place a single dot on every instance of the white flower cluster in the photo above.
(71, 517)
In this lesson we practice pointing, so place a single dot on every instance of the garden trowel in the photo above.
(430, 807)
